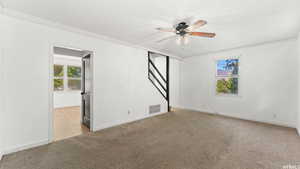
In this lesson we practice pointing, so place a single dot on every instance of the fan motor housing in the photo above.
(181, 28)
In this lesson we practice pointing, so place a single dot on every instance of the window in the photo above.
(227, 76)
(67, 77)
(74, 72)
(74, 78)
(58, 77)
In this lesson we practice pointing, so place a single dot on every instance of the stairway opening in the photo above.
(158, 74)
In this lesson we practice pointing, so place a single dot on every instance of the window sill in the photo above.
(228, 95)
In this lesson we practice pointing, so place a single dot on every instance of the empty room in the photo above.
(139, 84)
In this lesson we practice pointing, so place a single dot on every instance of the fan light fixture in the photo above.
(183, 30)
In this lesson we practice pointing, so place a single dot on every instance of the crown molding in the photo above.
(242, 46)
(56, 25)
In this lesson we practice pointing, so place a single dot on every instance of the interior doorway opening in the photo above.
(71, 92)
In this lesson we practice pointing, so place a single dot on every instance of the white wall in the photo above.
(298, 122)
(174, 83)
(268, 84)
(1, 102)
(67, 98)
(120, 81)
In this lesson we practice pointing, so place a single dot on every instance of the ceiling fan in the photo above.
(182, 30)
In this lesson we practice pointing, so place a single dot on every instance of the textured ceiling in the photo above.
(236, 22)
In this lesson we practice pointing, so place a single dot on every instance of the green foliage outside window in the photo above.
(227, 86)
(74, 72)
(58, 70)
(58, 84)
(227, 76)
(73, 79)
(58, 77)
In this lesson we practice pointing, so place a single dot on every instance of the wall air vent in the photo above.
(154, 109)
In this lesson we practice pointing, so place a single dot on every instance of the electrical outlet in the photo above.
(274, 116)
(128, 111)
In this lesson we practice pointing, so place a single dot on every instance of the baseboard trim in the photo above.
(46, 141)
(99, 128)
(261, 121)
(242, 118)
(198, 110)
(25, 146)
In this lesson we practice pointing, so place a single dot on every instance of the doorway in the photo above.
(71, 84)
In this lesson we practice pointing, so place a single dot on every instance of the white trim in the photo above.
(122, 122)
(298, 131)
(51, 89)
(64, 58)
(65, 77)
(25, 146)
(241, 118)
(41, 21)
(51, 95)
(93, 54)
(2, 88)
(198, 110)
(216, 59)
(261, 121)
(241, 47)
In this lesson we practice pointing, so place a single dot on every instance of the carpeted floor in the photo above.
(177, 140)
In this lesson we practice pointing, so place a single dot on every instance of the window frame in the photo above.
(74, 78)
(66, 79)
(59, 77)
(217, 77)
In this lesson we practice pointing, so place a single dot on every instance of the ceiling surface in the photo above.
(237, 23)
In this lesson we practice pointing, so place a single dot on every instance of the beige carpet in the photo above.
(180, 140)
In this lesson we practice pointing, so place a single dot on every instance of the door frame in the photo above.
(51, 88)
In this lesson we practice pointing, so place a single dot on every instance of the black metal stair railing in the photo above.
(159, 82)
